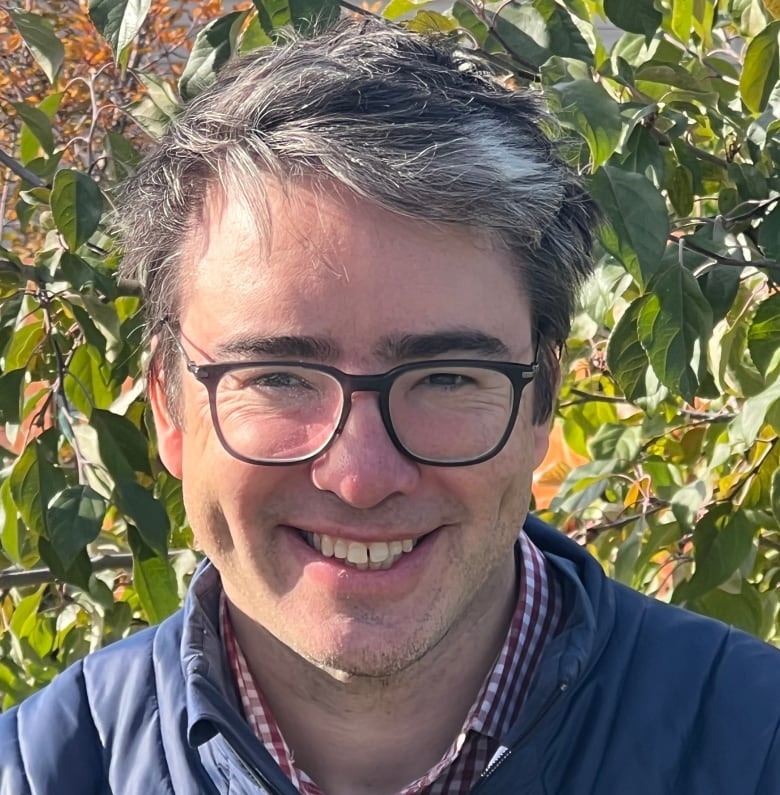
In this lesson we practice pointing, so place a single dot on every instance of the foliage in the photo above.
(666, 458)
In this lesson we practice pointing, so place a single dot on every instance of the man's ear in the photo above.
(541, 441)
(169, 433)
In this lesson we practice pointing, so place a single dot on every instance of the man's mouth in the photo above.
(375, 555)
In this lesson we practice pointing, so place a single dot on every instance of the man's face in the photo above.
(361, 280)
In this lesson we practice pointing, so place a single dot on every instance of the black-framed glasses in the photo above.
(443, 412)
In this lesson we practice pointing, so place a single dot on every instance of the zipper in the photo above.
(504, 753)
(254, 773)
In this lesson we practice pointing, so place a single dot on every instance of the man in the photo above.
(360, 256)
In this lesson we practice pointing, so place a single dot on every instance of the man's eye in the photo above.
(447, 380)
(276, 380)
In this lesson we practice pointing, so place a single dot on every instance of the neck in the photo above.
(358, 734)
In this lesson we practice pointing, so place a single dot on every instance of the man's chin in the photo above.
(373, 659)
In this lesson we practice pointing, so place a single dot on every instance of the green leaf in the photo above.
(123, 448)
(680, 189)
(154, 112)
(761, 69)
(25, 613)
(756, 493)
(682, 19)
(123, 157)
(565, 37)
(764, 335)
(35, 479)
(635, 16)
(687, 502)
(22, 347)
(76, 270)
(77, 206)
(756, 411)
(273, 15)
(118, 21)
(253, 37)
(39, 36)
(41, 639)
(103, 317)
(720, 285)
(312, 16)
(212, 48)
(723, 538)
(775, 494)
(521, 31)
(704, 15)
(431, 22)
(751, 184)
(11, 394)
(396, 9)
(638, 222)
(582, 421)
(628, 553)
(38, 123)
(661, 535)
(88, 384)
(743, 610)
(154, 579)
(586, 108)
(769, 234)
(17, 543)
(78, 573)
(468, 20)
(146, 513)
(161, 93)
(616, 440)
(583, 485)
(673, 320)
(644, 155)
(75, 519)
(626, 358)
(305, 16)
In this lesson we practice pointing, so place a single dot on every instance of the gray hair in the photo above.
(413, 124)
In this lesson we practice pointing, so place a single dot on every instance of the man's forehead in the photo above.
(265, 213)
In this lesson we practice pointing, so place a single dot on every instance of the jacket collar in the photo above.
(212, 702)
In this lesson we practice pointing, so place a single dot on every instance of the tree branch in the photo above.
(767, 264)
(21, 171)
(125, 287)
(19, 578)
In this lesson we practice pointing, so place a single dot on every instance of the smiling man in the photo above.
(360, 256)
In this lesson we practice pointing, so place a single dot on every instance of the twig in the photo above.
(125, 287)
(767, 542)
(590, 397)
(21, 171)
(767, 264)
(20, 578)
(596, 530)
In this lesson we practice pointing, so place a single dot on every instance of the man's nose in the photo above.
(362, 466)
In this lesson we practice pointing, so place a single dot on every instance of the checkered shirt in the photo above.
(538, 617)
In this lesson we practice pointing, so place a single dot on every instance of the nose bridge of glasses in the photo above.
(350, 384)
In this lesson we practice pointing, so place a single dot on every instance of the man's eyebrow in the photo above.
(422, 346)
(281, 347)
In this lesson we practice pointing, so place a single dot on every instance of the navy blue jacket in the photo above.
(633, 697)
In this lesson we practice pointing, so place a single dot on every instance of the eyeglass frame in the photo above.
(210, 374)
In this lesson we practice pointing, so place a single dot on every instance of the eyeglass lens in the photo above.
(273, 413)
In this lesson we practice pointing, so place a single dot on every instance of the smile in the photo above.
(376, 555)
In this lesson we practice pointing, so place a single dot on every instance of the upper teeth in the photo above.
(376, 555)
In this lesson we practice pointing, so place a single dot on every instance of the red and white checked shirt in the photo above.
(538, 617)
